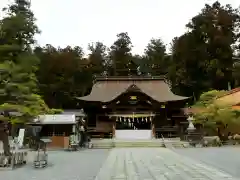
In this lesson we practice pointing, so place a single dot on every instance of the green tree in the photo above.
(18, 66)
(156, 58)
(98, 58)
(214, 115)
(121, 57)
(216, 26)
(236, 71)
(187, 70)
(202, 57)
(63, 75)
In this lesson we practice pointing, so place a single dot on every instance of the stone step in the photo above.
(139, 144)
(105, 145)
(176, 144)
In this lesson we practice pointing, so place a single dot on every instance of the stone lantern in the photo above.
(191, 127)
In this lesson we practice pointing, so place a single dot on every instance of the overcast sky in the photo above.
(79, 22)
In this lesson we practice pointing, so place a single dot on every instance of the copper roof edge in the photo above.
(232, 91)
(126, 78)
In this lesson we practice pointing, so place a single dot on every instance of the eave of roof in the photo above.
(108, 89)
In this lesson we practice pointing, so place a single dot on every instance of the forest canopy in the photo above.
(205, 57)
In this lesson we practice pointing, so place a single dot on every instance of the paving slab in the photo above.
(118, 164)
(79, 165)
(224, 158)
(156, 164)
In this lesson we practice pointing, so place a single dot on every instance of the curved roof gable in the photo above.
(109, 89)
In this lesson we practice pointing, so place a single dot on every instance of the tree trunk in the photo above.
(221, 134)
(5, 141)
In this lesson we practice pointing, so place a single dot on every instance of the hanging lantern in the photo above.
(150, 119)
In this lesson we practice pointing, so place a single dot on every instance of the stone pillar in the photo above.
(191, 130)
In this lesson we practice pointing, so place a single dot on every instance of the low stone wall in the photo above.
(18, 158)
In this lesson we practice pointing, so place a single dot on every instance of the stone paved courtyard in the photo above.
(81, 165)
(119, 164)
(225, 158)
(155, 164)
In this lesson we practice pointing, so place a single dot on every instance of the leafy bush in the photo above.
(219, 117)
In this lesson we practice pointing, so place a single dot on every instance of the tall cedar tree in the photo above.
(18, 65)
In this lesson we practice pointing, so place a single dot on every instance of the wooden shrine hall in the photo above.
(134, 108)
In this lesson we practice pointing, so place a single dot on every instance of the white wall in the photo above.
(133, 134)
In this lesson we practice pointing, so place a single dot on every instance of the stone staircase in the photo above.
(102, 144)
(157, 143)
(174, 143)
(138, 143)
(111, 143)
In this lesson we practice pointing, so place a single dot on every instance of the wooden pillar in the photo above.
(114, 128)
(153, 128)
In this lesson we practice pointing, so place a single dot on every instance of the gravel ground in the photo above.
(224, 158)
(80, 165)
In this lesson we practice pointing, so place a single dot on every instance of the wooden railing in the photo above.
(169, 131)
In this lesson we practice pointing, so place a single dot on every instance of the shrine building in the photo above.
(134, 108)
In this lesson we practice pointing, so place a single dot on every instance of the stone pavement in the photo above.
(117, 164)
(79, 165)
(224, 158)
(155, 164)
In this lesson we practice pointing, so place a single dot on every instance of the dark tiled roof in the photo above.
(108, 89)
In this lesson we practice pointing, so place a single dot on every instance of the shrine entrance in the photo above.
(134, 126)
